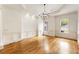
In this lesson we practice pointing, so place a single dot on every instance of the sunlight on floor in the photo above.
(64, 47)
(44, 44)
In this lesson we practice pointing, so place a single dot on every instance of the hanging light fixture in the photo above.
(45, 22)
(44, 14)
(44, 10)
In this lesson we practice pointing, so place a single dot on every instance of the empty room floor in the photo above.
(42, 45)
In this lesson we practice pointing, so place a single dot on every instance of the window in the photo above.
(65, 25)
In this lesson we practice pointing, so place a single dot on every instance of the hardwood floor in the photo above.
(42, 45)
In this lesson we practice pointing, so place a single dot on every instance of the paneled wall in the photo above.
(11, 22)
(1, 41)
(16, 25)
(73, 18)
(51, 26)
(28, 26)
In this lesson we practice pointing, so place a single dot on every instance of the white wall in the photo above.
(1, 41)
(40, 26)
(72, 26)
(78, 29)
(51, 26)
(17, 26)
(29, 26)
(11, 22)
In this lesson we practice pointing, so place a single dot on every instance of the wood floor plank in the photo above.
(42, 45)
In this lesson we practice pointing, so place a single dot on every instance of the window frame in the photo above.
(68, 24)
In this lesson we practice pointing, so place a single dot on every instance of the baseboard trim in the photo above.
(49, 35)
(2, 47)
(61, 37)
(65, 38)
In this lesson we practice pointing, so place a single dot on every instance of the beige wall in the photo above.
(72, 25)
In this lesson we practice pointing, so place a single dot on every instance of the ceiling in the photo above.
(39, 8)
(36, 9)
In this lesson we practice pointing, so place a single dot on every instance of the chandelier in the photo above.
(44, 9)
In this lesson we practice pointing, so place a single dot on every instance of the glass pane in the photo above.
(65, 25)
